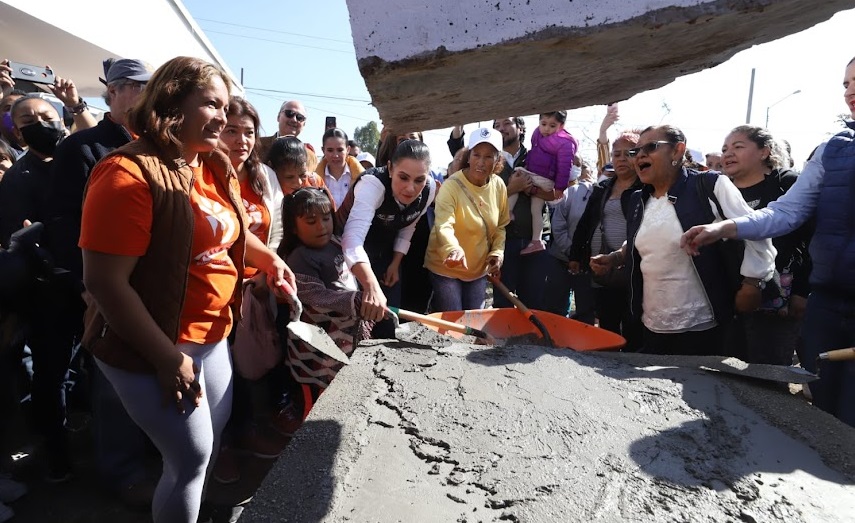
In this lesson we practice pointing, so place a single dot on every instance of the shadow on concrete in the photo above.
(728, 444)
(300, 485)
(495, 356)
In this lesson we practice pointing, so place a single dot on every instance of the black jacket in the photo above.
(74, 159)
(693, 208)
(580, 250)
(22, 194)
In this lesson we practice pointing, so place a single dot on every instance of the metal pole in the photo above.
(241, 76)
(751, 97)
(797, 91)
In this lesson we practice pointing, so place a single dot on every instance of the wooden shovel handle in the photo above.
(839, 354)
(438, 322)
(497, 284)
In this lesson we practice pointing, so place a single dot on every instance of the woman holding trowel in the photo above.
(378, 217)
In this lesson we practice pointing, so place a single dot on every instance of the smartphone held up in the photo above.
(32, 73)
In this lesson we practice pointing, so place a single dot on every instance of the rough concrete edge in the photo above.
(353, 389)
(373, 64)
(374, 68)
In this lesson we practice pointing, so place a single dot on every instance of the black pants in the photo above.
(691, 343)
(416, 288)
(55, 323)
(612, 306)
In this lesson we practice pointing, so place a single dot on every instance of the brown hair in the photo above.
(157, 114)
(240, 107)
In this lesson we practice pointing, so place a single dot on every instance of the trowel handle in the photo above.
(839, 354)
(294, 301)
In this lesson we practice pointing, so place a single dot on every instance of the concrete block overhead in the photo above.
(435, 64)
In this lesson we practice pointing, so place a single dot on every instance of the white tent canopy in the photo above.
(75, 37)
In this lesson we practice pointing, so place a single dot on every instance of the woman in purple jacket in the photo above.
(548, 163)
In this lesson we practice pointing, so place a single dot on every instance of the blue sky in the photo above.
(305, 50)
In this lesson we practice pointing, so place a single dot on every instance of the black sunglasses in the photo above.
(294, 114)
(647, 148)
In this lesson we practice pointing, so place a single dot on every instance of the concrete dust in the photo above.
(524, 433)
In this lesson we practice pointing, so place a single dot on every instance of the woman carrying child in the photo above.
(548, 163)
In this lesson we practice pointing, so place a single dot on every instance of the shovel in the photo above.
(497, 284)
(443, 324)
(311, 335)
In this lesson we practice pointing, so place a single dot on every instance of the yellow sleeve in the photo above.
(498, 241)
(447, 201)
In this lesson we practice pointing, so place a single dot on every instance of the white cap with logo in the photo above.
(485, 134)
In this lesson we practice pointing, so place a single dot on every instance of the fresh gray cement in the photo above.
(429, 430)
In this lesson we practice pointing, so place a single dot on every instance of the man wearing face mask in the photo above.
(37, 125)
(49, 311)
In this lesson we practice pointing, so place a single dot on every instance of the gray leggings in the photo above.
(186, 442)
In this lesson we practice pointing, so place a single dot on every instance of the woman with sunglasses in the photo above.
(378, 217)
(602, 229)
(684, 304)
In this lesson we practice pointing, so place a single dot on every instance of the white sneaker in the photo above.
(5, 513)
(10, 490)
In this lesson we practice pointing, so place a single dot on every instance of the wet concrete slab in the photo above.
(441, 431)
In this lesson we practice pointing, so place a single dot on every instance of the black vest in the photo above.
(389, 218)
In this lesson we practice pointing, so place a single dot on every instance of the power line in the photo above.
(307, 94)
(273, 30)
(279, 42)
(325, 111)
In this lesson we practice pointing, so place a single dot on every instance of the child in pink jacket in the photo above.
(549, 163)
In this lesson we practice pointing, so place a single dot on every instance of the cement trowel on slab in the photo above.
(311, 335)
(723, 364)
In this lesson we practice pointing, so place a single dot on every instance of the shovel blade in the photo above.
(317, 338)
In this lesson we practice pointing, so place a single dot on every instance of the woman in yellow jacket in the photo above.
(337, 169)
(468, 236)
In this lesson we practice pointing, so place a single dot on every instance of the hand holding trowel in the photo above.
(310, 334)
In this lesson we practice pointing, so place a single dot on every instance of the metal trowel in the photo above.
(311, 335)
(723, 364)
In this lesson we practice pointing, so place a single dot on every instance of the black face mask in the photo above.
(43, 137)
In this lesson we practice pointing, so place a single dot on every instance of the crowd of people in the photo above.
(177, 244)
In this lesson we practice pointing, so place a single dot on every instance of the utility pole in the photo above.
(750, 97)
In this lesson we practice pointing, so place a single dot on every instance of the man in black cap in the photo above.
(120, 444)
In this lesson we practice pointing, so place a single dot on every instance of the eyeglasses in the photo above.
(134, 85)
(647, 148)
(294, 114)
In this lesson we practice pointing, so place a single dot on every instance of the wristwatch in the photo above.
(78, 108)
(754, 282)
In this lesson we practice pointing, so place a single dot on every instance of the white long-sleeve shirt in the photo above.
(368, 195)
